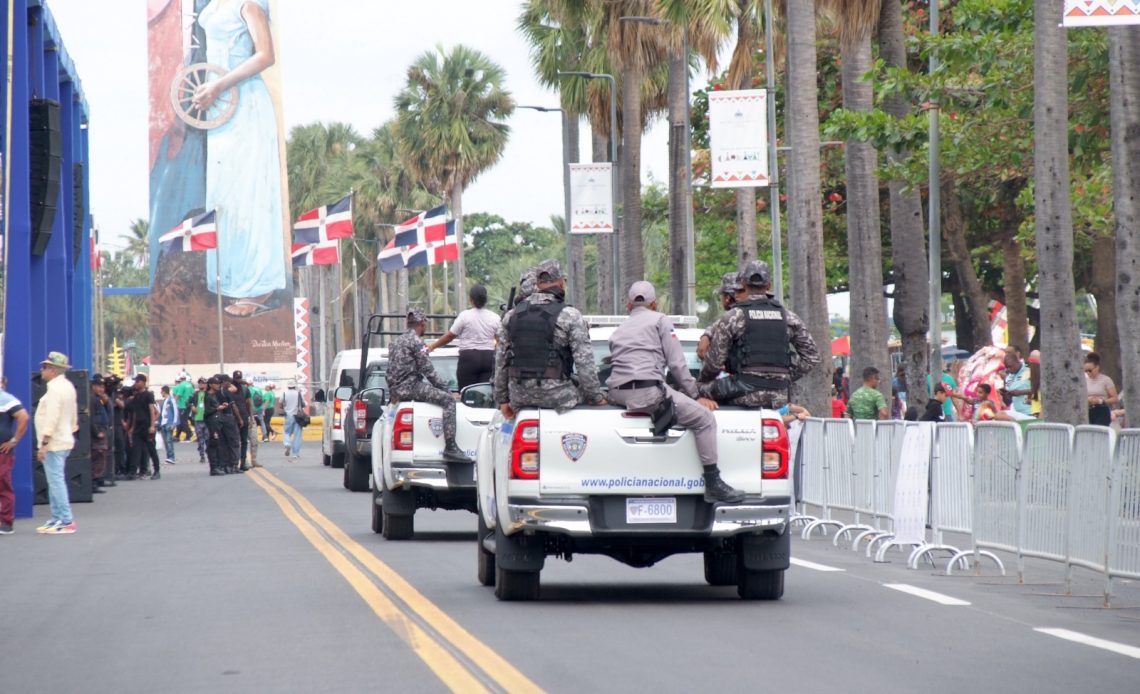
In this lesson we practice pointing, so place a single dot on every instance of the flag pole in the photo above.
(218, 287)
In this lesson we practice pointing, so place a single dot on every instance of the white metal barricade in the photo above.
(997, 492)
(1124, 514)
(811, 457)
(862, 480)
(888, 447)
(1089, 498)
(1045, 467)
(949, 488)
(839, 442)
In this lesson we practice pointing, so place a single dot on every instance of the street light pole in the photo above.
(934, 220)
(773, 157)
(613, 162)
(570, 295)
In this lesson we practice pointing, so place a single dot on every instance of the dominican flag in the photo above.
(434, 252)
(327, 253)
(391, 257)
(326, 223)
(426, 227)
(195, 234)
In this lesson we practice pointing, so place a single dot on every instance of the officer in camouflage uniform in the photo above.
(540, 343)
(761, 345)
(730, 284)
(526, 285)
(408, 367)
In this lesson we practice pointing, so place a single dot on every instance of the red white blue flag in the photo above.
(426, 227)
(327, 253)
(393, 257)
(326, 223)
(195, 234)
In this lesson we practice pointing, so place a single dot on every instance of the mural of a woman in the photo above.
(243, 167)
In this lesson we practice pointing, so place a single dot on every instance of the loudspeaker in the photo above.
(79, 482)
(45, 144)
(82, 448)
(78, 378)
(78, 213)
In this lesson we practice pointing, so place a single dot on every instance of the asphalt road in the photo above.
(275, 582)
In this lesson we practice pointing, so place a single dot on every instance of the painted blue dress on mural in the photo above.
(243, 168)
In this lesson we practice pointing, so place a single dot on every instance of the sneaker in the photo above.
(156, 475)
(6, 529)
(170, 461)
(48, 526)
(61, 529)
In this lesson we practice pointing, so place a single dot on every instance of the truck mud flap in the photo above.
(766, 551)
(399, 502)
(519, 552)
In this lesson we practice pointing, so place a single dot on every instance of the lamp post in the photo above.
(570, 295)
(613, 161)
(934, 218)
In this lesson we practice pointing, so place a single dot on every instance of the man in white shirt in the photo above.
(56, 421)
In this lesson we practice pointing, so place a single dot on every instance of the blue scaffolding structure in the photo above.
(48, 298)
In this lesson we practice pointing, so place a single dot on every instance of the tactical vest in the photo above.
(764, 344)
(533, 354)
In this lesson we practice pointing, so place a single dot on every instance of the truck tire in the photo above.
(327, 460)
(337, 460)
(486, 567)
(720, 568)
(398, 527)
(356, 474)
(377, 513)
(760, 585)
(516, 585)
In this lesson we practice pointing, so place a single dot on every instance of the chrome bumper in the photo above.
(574, 519)
(434, 477)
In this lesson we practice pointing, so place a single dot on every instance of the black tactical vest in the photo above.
(533, 354)
(764, 345)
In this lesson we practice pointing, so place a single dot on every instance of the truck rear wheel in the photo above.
(355, 474)
(486, 570)
(760, 585)
(377, 513)
(516, 585)
(720, 568)
(398, 527)
(337, 460)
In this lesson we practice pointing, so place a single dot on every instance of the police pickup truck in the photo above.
(595, 480)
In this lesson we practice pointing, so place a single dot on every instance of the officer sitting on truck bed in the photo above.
(640, 349)
(762, 346)
(408, 366)
(541, 343)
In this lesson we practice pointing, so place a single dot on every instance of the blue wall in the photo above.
(48, 297)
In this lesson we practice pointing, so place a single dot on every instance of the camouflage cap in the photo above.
(416, 316)
(527, 284)
(755, 274)
(730, 283)
(548, 271)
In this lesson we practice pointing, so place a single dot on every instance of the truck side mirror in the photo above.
(343, 393)
(478, 395)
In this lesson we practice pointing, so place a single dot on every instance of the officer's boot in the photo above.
(717, 490)
(453, 454)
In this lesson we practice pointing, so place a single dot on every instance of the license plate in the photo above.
(654, 510)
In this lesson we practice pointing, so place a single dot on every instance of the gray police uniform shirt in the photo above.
(408, 364)
(570, 330)
(641, 348)
(729, 328)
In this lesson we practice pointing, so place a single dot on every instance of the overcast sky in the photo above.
(341, 60)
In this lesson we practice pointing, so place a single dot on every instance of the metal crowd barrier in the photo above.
(862, 480)
(838, 440)
(1090, 495)
(1045, 468)
(810, 460)
(949, 489)
(1124, 524)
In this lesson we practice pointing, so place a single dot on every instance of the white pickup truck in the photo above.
(408, 469)
(594, 480)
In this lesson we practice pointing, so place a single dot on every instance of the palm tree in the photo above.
(805, 213)
(450, 126)
(1063, 395)
(908, 240)
(856, 21)
(138, 243)
(1124, 95)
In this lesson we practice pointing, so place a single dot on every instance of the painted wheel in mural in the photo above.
(182, 90)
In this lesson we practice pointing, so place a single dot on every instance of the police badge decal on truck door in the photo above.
(574, 446)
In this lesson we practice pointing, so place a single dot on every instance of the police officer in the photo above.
(221, 422)
(409, 366)
(213, 413)
(730, 284)
(762, 346)
(640, 349)
(541, 343)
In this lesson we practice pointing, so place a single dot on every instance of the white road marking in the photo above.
(926, 594)
(1077, 637)
(813, 566)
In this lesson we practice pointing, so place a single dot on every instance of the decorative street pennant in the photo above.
(591, 198)
(1101, 13)
(738, 138)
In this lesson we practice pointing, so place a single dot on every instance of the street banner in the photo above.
(1101, 13)
(303, 372)
(591, 198)
(910, 487)
(738, 138)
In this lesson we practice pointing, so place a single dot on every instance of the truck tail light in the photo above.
(402, 431)
(524, 450)
(336, 414)
(774, 459)
(360, 412)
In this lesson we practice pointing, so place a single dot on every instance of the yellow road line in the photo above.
(445, 665)
(497, 667)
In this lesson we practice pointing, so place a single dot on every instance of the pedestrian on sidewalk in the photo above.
(198, 412)
(292, 404)
(183, 391)
(13, 425)
(269, 400)
(100, 431)
(57, 420)
(168, 422)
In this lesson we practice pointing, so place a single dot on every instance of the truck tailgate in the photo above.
(605, 450)
(428, 433)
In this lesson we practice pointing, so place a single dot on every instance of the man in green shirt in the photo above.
(182, 392)
(868, 402)
(268, 402)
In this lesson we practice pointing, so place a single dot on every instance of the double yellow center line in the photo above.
(432, 635)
